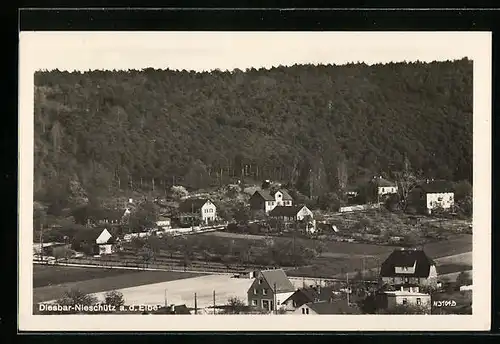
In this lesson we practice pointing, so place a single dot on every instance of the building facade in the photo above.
(269, 290)
(408, 267)
(391, 299)
(432, 195)
(263, 200)
(192, 211)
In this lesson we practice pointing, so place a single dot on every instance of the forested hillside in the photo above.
(333, 123)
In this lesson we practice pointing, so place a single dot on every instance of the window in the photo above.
(405, 301)
(303, 311)
(260, 281)
(265, 304)
(254, 302)
(255, 291)
(264, 291)
(419, 301)
(307, 310)
(440, 199)
(407, 280)
(294, 303)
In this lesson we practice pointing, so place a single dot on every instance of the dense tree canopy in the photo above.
(314, 126)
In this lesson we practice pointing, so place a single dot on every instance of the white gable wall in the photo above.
(303, 213)
(208, 212)
(103, 237)
(442, 199)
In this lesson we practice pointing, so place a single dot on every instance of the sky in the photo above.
(202, 51)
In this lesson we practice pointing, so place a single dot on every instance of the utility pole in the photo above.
(166, 304)
(214, 302)
(195, 305)
(275, 300)
(41, 241)
(348, 288)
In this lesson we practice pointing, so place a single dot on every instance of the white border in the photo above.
(35, 47)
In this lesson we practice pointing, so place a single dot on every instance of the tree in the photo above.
(114, 298)
(144, 217)
(241, 214)
(463, 278)
(61, 252)
(154, 245)
(93, 127)
(74, 297)
(392, 202)
(178, 191)
(406, 180)
(329, 201)
(462, 190)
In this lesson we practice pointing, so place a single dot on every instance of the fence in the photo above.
(177, 231)
(163, 265)
(359, 207)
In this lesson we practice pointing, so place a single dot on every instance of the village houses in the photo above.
(197, 211)
(408, 268)
(164, 222)
(337, 306)
(295, 214)
(269, 289)
(433, 194)
(96, 241)
(385, 187)
(263, 200)
(309, 294)
(390, 299)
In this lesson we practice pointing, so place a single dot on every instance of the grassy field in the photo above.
(340, 257)
(46, 275)
(459, 244)
(444, 269)
(84, 279)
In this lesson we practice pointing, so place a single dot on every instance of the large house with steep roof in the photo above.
(197, 210)
(408, 267)
(269, 289)
(263, 200)
(307, 295)
(434, 194)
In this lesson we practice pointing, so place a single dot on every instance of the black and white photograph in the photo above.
(261, 176)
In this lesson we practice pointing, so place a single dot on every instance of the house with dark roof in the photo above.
(197, 210)
(433, 194)
(384, 186)
(269, 289)
(307, 295)
(291, 213)
(407, 267)
(95, 241)
(264, 200)
(337, 306)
